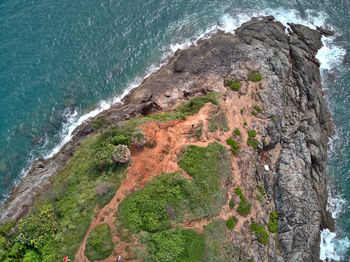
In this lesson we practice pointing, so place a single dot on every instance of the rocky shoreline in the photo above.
(299, 124)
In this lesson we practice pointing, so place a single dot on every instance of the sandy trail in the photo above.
(170, 138)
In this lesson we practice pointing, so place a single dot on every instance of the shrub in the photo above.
(99, 244)
(36, 229)
(234, 145)
(103, 188)
(251, 139)
(260, 233)
(243, 207)
(254, 113)
(272, 225)
(254, 77)
(273, 118)
(236, 132)
(235, 86)
(261, 190)
(120, 140)
(138, 138)
(257, 109)
(176, 245)
(99, 123)
(245, 123)
(193, 106)
(242, 110)
(264, 143)
(121, 154)
(231, 204)
(218, 121)
(231, 222)
(31, 256)
(102, 157)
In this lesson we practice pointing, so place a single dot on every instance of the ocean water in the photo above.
(64, 61)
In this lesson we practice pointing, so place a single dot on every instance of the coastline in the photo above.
(141, 100)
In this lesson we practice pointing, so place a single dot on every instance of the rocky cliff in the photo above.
(294, 124)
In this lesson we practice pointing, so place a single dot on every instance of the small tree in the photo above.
(121, 154)
(139, 138)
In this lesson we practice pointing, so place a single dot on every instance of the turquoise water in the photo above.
(60, 59)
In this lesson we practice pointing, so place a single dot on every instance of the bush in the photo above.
(254, 77)
(261, 190)
(36, 229)
(245, 123)
(236, 132)
(121, 140)
(272, 225)
(176, 245)
(235, 86)
(218, 121)
(243, 207)
(121, 154)
(231, 222)
(251, 139)
(193, 106)
(31, 256)
(138, 138)
(231, 204)
(257, 109)
(260, 233)
(99, 244)
(234, 145)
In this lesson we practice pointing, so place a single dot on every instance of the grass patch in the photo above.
(231, 222)
(234, 145)
(261, 190)
(254, 77)
(218, 121)
(99, 243)
(176, 245)
(234, 85)
(231, 204)
(260, 233)
(193, 106)
(257, 109)
(197, 131)
(244, 206)
(272, 225)
(217, 245)
(252, 141)
(236, 132)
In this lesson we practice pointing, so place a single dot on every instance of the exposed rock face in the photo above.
(291, 95)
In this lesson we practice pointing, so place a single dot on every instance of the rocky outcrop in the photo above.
(299, 125)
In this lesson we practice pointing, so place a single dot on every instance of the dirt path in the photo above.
(170, 138)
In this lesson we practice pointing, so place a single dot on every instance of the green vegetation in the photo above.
(264, 143)
(121, 154)
(121, 140)
(197, 131)
(273, 118)
(235, 86)
(243, 206)
(234, 145)
(217, 245)
(171, 196)
(218, 121)
(256, 165)
(176, 245)
(260, 233)
(231, 204)
(272, 225)
(242, 110)
(99, 244)
(236, 132)
(138, 138)
(99, 123)
(245, 123)
(257, 109)
(254, 77)
(231, 222)
(251, 139)
(193, 106)
(261, 190)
